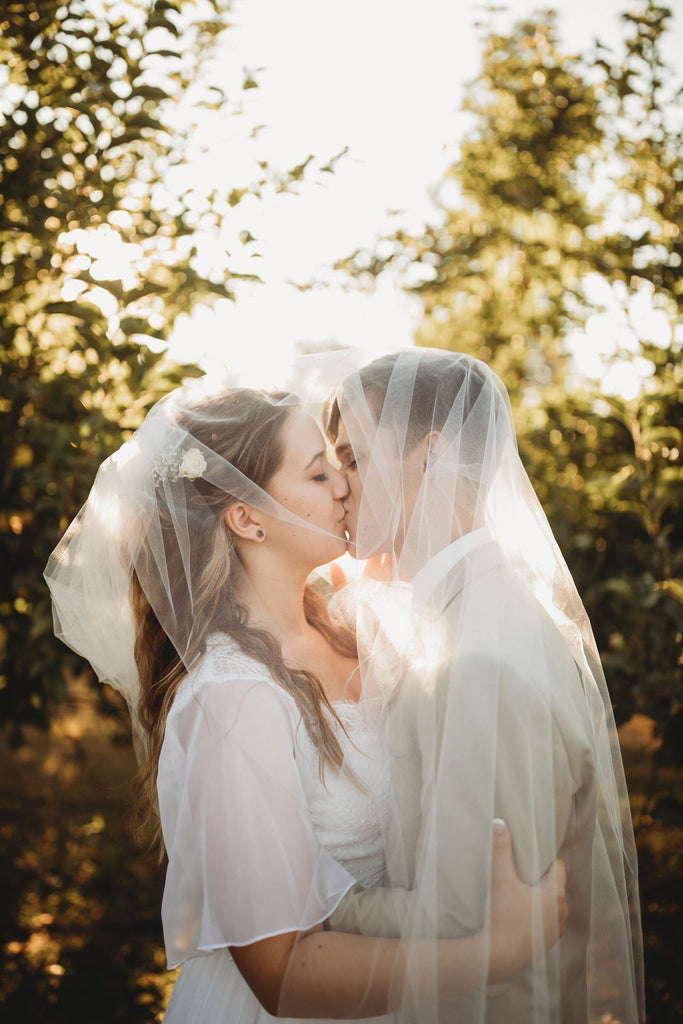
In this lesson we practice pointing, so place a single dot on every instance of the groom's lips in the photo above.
(342, 522)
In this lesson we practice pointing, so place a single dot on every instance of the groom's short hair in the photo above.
(438, 382)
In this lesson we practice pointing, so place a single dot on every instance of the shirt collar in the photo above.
(427, 581)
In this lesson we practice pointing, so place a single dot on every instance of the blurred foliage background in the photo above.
(567, 187)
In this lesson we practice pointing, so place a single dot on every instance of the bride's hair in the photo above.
(253, 444)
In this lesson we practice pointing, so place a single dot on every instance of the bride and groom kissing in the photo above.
(344, 839)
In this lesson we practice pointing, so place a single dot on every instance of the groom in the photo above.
(460, 748)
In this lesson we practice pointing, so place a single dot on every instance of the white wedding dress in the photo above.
(258, 843)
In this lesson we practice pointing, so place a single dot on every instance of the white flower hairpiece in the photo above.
(179, 466)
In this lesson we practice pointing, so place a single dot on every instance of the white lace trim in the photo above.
(223, 657)
(349, 713)
(228, 657)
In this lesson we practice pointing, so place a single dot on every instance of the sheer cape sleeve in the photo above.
(244, 862)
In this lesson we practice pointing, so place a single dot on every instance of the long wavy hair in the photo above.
(254, 445)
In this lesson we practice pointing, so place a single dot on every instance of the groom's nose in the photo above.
(340, 487)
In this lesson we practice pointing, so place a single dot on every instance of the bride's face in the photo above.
(308, 486)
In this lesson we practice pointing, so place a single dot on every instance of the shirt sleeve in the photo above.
(244, 862)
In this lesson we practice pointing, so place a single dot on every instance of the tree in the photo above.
(611, 477)
(98, 257)
(634, 487)
(572, 173)
(499, 274)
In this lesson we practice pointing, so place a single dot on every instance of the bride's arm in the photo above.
(337, 975)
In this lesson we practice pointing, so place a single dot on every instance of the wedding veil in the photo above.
(476, 652)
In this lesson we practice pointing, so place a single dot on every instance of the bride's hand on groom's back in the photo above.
(526, 920)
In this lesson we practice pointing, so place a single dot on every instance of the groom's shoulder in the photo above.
(499, 602)
(498, 626)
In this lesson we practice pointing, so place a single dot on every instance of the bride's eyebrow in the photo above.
(342, 449)
(318, 455)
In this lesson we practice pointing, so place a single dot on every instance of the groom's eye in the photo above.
(320, 477)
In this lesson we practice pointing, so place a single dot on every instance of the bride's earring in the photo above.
(260, 534)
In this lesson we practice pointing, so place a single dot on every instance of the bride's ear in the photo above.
(244, 522)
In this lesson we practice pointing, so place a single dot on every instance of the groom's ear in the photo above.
(429, 447)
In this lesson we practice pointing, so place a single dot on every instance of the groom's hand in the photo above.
(337, 576)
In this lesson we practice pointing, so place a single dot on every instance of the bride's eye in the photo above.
(320, 477)
(351, 464)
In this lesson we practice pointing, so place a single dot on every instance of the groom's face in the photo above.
(349, 461)
(391, 492)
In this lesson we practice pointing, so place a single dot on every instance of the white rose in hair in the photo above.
(193, 464)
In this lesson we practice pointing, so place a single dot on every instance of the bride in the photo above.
(184, 581)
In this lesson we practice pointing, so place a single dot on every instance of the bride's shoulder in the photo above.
(224, 658)
(226, 675)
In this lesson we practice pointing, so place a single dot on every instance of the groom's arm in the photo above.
(488, 746)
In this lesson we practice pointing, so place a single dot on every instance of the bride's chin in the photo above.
(336, 550)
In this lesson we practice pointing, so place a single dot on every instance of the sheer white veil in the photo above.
(496, 704)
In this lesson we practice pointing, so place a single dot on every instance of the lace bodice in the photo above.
(350, 809)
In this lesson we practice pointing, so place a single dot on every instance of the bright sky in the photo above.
(385, 79)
